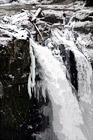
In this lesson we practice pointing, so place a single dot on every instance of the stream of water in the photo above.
(68, 121)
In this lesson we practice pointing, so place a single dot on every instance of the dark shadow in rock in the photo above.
(38, 123)
(73, 70)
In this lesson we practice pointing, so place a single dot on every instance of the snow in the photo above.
(14, 31)
(12, 27)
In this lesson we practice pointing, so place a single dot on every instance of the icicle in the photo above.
(31, 78)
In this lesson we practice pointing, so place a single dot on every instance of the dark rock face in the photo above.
(69, 61)
(57, 1)
(52, 19)
(22, 118)
(13, 0)
(60, 1)
(63, 52)
(7, 1)
(14, 63)
(73, 70)
(37, 122)
(1, 90)
(89, 2)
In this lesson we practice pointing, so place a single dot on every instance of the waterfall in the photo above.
(84, 72)
(68, 121)
(84, 69)
(31, 78)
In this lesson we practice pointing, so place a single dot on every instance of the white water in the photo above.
(31, 78)
(72, 120)
(84, 68)
(84, 74)
(68, 123)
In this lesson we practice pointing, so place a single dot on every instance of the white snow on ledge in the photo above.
(18, 2)
(13, 27)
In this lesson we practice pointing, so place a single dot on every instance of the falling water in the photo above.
(84, 69)
(84, 73)
(68, 122)
(31, 78)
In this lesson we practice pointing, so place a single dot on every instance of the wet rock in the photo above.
(84, 16)
(63, 52)
(28, 118)
(91, 14)
(1, 90)
(14, 63)
(51, 16)
(83, 21)
(89, 3)
(86, 27)
(7, 1)
(73, 70)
